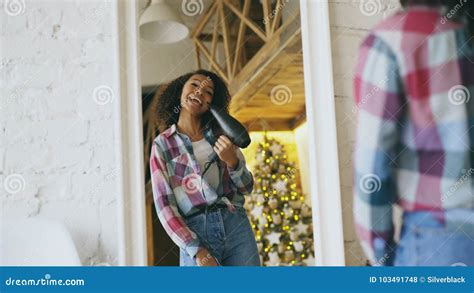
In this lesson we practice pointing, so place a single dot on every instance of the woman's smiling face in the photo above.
(197, 94)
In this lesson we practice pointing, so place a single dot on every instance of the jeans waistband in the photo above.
(210, 208)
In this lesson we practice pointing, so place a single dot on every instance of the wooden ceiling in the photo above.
(262, 64)
(273, 97)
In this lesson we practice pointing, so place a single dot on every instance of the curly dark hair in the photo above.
(168, 106)
(459, 10)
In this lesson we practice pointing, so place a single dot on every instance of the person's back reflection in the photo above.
(415, 136)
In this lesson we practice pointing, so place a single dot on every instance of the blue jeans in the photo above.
(427, 241)
(228, 237)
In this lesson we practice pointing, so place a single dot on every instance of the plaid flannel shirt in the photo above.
(179, 190)
(415, 124)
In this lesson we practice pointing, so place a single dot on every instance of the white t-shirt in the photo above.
(202, 150)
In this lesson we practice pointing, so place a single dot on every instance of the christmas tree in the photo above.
(278, 214)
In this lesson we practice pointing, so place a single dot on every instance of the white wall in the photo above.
(160, 64)
(163, 63)
(350, 22)
(58, 89)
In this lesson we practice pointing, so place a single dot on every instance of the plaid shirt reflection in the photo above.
(415, 124)
(178, 188)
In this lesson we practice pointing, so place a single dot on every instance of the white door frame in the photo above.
(321, 119)
(131, 216)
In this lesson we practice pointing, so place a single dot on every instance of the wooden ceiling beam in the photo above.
(267, 20)
(203, 37)
(240, 38)
(247, 21)
(211, 60)
(225, 34)
(277, 17)
(214, 40)
(203, 21)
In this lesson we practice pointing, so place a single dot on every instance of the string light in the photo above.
(274, 168)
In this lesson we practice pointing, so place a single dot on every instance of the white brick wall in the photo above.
(350, 22)
(55, 133)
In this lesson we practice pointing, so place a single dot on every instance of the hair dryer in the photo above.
(232, 128)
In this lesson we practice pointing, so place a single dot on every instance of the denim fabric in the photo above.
(437, 239)
(228, 236)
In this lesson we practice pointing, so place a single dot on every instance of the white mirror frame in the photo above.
(321, 117)
(131, 216)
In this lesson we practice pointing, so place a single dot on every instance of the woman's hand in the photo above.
(225, 149)
(205, 259)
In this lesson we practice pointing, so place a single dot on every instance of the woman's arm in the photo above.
(166, 206)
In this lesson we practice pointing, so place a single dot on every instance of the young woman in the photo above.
(415, 140)
(199, 177)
